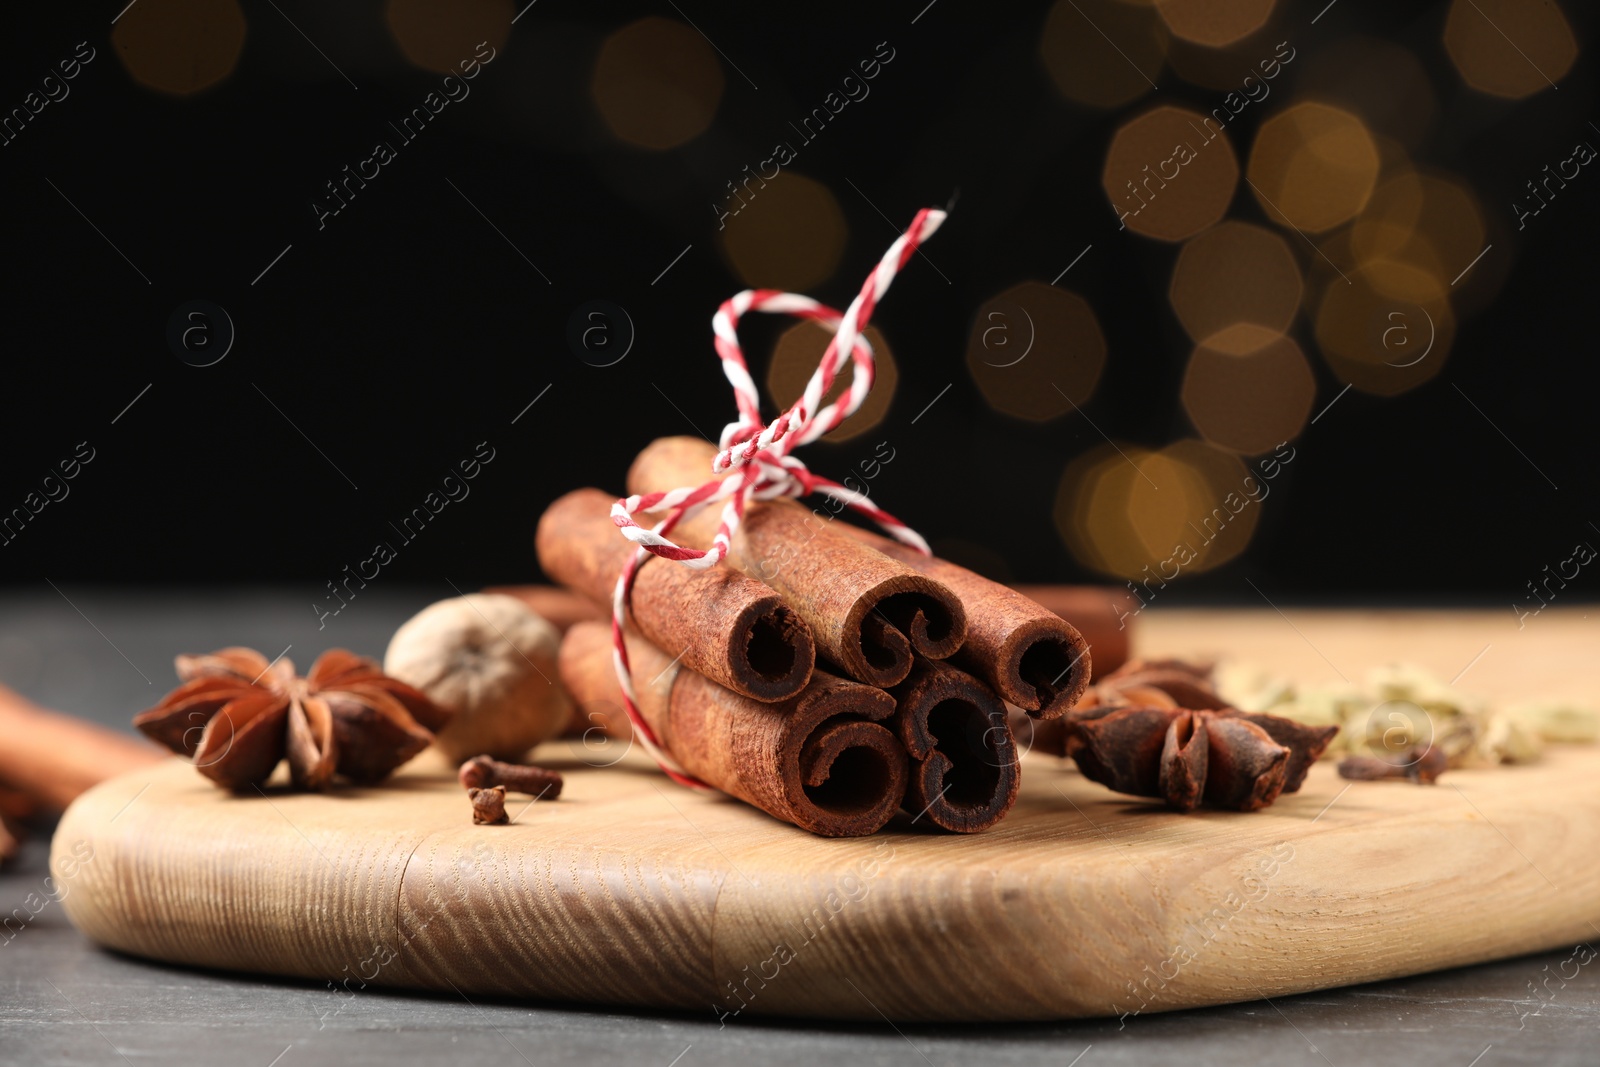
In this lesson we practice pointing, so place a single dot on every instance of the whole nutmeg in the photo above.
(491, 660)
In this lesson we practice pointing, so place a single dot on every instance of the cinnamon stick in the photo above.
(1032, 657)
(559, 607)
(820, 760)
(867, 612)
(964, 774)
(1102, 614)
(53, 757)
(732, 629)
(10, 839)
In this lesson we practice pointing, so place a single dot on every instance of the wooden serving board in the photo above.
(628, 891)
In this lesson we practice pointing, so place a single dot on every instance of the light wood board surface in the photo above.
(632, 892)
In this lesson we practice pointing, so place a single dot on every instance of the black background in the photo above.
(407, 330)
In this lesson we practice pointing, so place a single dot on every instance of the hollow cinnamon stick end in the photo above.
(845, 776)
(964, 769)
(965, 800)
(1044, 667)
(904, 615)
(771, 651)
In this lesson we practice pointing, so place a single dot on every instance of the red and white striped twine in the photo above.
(769, 471)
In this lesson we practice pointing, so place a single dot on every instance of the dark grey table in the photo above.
(65, 1001)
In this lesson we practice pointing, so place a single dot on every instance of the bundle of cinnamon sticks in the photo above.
(47, 758)
(829, 677)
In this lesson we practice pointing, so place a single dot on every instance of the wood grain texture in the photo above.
(1081, 902)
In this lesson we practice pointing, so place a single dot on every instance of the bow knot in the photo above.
(763, 450)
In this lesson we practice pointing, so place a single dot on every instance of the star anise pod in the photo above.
(1156, 683)
(238, 715)
(1224, 758)
(1162, 683)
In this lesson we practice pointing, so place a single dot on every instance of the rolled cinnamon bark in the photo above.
(867, 612)
(559, 607)
(815, 760)
(964, 773)
(1102, 614)
(52, 757)
(1030, 655)
(730, 628)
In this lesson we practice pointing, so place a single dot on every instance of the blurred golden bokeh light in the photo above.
(180, 46)
(1152, 516)
(795, 358)
(1077, 50)
(1235, 272)
(1091, 510)
(1248, 388)
(1036, 351)
(789, 234)
(1379, 80)
(1509, 48)
(1428, 222)
(1169, 174)
(1386, 329)
(438, 37)
(657, 83)
(1246, 69)
(1214, 23)
(1313, 166)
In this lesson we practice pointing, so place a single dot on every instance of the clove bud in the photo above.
(482, 772)
(1417, 764)
(488, 805)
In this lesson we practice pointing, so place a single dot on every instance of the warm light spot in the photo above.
(1313, 167)
(439, 37)
(1214, 23)
(1091, 510)
(1169, 175)
(1510, 48)
(789, 234)
(1379, 80)
(1161, 501)
(1235, 272)
(1153, 516)
(1430, 223)
(1248, 388)
(1102, 53)
(795, 359)
(657, 83)
(1387, 329)
(1036, 351)
(1244, 73)
(180, 46)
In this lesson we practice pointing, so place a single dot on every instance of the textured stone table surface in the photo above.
(65, 1001)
